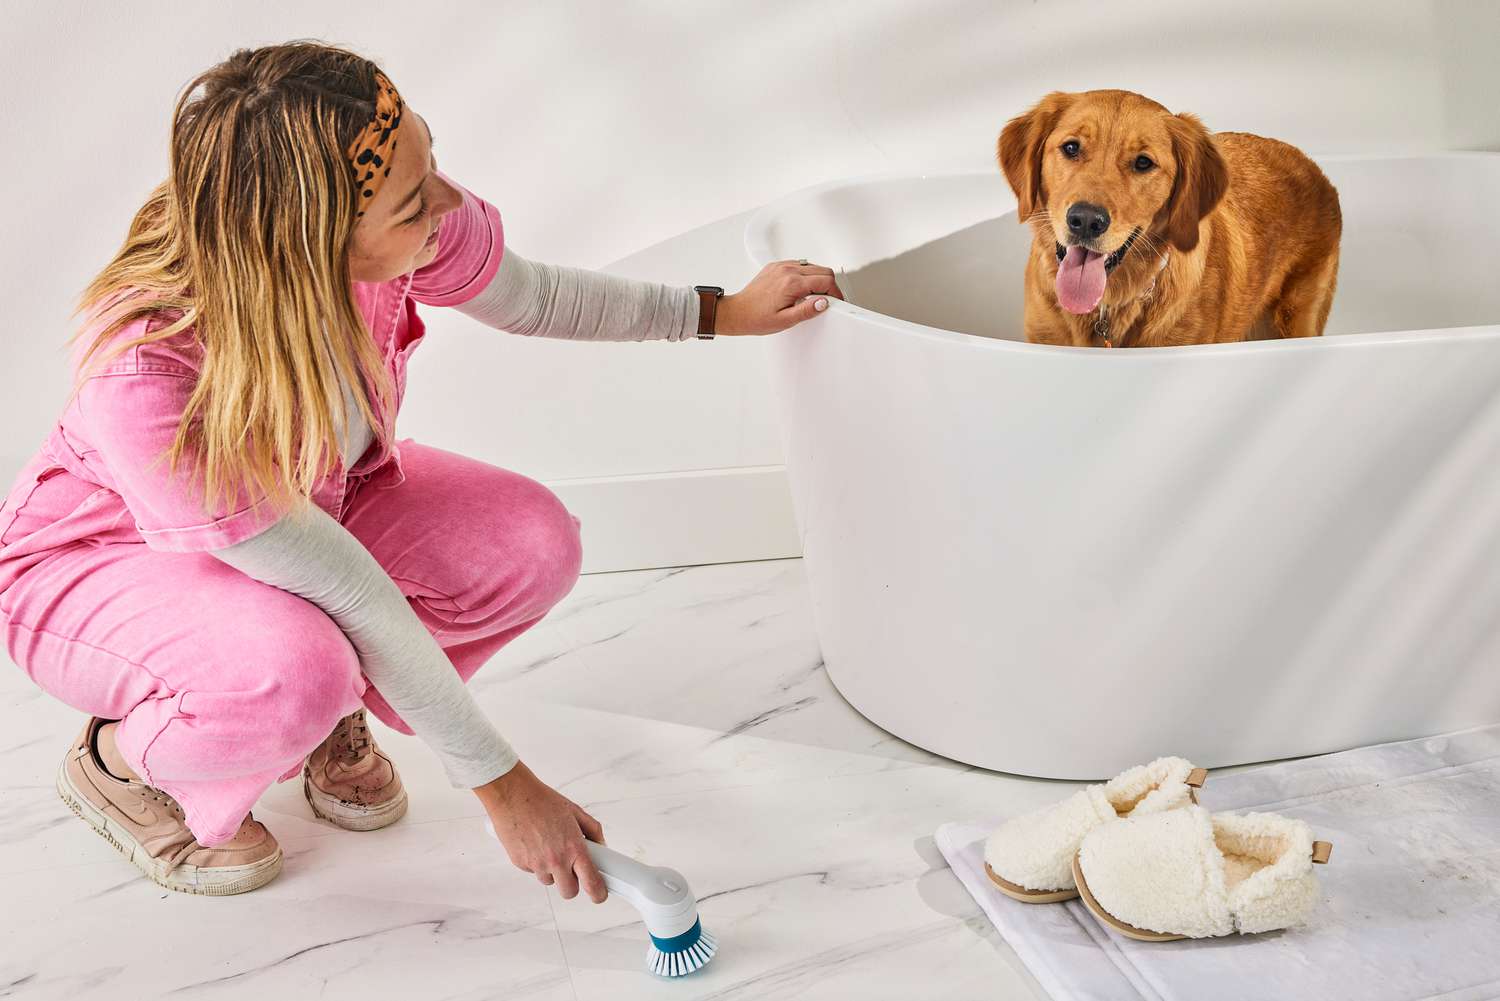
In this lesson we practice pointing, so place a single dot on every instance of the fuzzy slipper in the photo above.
(1030, 857)
(1192, 874)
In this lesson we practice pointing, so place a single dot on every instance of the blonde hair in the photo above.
(248, 242)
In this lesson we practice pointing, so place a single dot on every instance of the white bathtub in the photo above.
(1063, 561)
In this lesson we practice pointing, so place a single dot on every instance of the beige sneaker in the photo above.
(350, 782)
(147, 827)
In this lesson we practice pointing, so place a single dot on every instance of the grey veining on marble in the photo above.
(688, 709)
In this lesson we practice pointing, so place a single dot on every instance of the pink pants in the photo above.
(223, 684)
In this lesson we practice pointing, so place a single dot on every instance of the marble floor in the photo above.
(687, 709)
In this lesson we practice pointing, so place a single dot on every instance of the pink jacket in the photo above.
(127, 414)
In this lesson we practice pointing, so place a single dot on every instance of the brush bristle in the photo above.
(683, 961)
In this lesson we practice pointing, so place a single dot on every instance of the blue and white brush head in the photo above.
(679, 956)
(679, 945)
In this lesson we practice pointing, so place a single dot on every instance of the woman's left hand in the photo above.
(784, 294)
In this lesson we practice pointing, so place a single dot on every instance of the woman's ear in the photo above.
(1202, 178)
(1020, 150)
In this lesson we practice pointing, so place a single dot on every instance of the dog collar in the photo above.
(1101, 325)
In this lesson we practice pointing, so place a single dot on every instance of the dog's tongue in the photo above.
(1080, 280)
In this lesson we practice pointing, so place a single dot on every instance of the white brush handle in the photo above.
(661, 895)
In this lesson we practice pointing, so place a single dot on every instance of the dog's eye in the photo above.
(1143, 163)
(1070, 149)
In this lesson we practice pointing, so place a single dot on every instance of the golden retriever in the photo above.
(1150, 231)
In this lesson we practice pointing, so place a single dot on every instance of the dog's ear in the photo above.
(1202, 178)
(1020, 150)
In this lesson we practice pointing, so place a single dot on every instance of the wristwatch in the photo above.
(708, 305)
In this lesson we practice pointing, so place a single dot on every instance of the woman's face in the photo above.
(398, 231)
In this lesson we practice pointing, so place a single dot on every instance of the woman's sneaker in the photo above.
(350, 782)
(147, 827)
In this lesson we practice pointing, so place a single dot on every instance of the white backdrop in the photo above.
(601, 128)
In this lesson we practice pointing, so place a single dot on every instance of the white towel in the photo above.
(1411, 897)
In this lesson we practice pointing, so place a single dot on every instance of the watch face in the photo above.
(715, 289)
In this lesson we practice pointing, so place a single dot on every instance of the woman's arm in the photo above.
(547, 300)
(526, 297)
(321, 560)
(310, 554)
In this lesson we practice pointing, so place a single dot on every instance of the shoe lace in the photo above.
(354, 736)
(164, 799)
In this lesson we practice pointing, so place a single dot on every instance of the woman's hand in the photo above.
(543, 831)
(784, 294)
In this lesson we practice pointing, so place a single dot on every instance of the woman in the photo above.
(244, 354)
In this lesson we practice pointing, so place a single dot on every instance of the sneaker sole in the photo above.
(211, 881)
(349, 816)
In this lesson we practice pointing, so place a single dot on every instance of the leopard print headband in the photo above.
(369, 152)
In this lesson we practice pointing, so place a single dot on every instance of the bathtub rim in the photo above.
(757, 242)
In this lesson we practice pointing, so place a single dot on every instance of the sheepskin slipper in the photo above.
(1030, 857)
(1192, 874)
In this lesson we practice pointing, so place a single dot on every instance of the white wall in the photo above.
(601, 128)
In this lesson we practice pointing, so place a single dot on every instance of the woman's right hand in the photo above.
(543, 831)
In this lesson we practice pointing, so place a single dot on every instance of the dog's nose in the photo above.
(1087, 221)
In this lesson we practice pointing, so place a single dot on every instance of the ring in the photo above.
(802, 260)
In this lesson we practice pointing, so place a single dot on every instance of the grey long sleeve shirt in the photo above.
(319, 559)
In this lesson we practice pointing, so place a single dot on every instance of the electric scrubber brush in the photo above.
(679, 945)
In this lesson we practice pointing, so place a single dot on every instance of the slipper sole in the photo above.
(1128, 930)
(1016, 892)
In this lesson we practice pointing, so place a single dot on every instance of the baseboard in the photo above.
(661, 519)
(682, 519)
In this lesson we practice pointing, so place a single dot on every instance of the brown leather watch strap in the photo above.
(708, 308)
